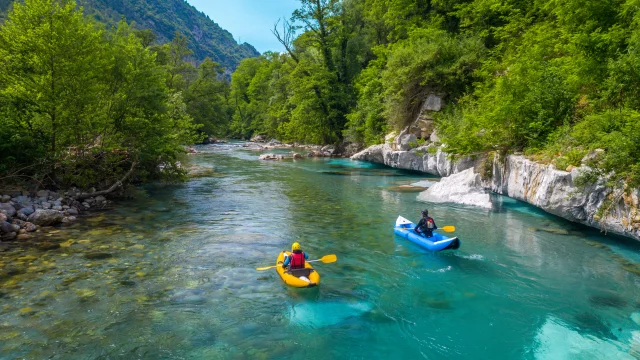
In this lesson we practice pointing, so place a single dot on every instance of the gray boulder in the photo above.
(46, 217)
(5, 198)
(27, 210)
(7, 209)
(433, 103)
(6, 228)
(406, 142)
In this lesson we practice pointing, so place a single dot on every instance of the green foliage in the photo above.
(82, 103)
(428, 61)
(618, 134)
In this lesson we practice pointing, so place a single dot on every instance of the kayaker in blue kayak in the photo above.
(426, 226)
(297, 257)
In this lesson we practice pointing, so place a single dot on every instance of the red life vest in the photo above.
(297, 261)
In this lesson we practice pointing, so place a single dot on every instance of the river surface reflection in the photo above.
(171, 275)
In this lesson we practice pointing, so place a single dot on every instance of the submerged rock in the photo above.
(462, 188)
(98, 256)
(608, 300)
(591, 323)
(406, 188)
(46, 246)
(323, 314)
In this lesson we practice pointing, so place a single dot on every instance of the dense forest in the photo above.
(82, 104)
(165, 18)
(553, 79)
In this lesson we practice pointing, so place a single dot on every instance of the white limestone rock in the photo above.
(463, 188)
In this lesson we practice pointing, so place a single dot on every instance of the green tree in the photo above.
(208, 99)
(51, 60)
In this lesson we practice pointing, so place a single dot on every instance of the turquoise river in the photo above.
(172, 274)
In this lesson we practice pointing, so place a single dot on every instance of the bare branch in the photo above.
(286, 37)
(109, 190)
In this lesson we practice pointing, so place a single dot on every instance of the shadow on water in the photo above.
(592, 324)
(607, 300)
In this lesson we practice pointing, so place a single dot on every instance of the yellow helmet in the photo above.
(295, 246)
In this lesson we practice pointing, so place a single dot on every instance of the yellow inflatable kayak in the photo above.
(300, 278)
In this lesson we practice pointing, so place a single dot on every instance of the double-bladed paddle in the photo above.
(327, 259)
(445, 228)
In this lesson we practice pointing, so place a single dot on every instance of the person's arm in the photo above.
(287, 260)
(417, 228)
(306, 256)
(435, 227)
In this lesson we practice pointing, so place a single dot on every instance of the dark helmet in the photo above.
(425, 212)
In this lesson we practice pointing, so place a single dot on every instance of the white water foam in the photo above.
(473, 257)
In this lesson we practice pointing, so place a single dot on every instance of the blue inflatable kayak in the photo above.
(437, 242)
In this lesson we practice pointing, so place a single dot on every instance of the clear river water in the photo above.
(171, 275)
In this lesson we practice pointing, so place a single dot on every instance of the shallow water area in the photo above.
(171, 275)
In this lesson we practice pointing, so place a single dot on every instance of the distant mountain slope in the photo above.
(165, 17)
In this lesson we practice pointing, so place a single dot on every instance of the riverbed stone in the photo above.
(271, 157)
(6, 227)
(30, 227)
(68, 219)
(27, 210)
(9, 236)
(5, 198)
(46, 217)
(7, 209)
(23, 237)
(3, 217)
(48, 246)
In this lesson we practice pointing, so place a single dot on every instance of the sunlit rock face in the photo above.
(461, 188)
(552, 190)
(556, 192)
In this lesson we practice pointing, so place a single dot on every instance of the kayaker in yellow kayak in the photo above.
(426, 226)
(296, 259)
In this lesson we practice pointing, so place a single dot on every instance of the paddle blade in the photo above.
(265, 268)
(329, 259)
(448, 229)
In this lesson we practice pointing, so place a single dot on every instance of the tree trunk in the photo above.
(113, 187)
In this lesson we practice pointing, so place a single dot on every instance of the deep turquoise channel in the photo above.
(181, 280)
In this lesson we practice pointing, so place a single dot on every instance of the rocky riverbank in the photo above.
(23, 213)
(259, 143)
(541, 185)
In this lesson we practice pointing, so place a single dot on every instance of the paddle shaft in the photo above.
(327, 259)
(448, 228)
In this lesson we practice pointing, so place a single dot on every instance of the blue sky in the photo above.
(249, 21)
